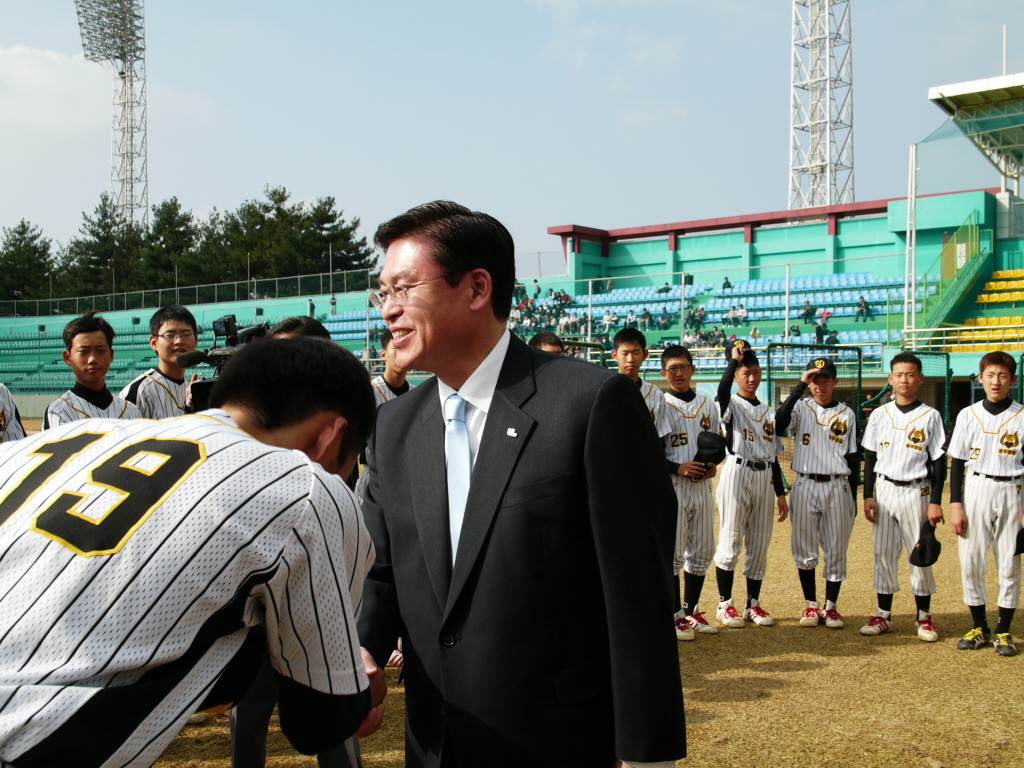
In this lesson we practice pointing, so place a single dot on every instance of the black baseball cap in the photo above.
(749, 357)
(824, 365)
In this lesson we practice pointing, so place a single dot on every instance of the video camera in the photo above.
(225, 328)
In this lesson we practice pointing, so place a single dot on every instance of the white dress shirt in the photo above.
(477, 392)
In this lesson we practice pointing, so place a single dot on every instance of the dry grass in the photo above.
(789, 695)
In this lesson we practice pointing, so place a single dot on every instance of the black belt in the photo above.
(901, 483)
(757, 466)
(821, 478)
(1000, 478)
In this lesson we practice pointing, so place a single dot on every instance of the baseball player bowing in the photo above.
(826, 462)
(688, 414)
(750, 477)
(904, 472)
(986, 509)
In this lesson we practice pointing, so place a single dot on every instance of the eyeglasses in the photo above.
(171, 336)
(675, 370)
(399, 294)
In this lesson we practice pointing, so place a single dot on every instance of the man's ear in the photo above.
(326, 441)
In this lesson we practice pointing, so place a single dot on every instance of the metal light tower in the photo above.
(821, 133)
(113, 34)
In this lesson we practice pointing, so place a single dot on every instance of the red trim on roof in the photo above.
(832, 213)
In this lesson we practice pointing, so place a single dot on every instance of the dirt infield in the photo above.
(792, 696)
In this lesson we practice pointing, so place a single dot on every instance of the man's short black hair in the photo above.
(171, 312)
(629, 336)
(547, 337)
(90, 322)
(463, 240)
(906, 357)
(282, 382)
(999, 358)
(385, 338)
(301, 326)
(674, 352)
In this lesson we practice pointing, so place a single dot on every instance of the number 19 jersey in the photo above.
(136, 558)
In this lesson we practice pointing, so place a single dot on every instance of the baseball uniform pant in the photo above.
(822, 516)
(993, 518)
(695, 536)
(250, 721)
(901, 511)
(746, 507)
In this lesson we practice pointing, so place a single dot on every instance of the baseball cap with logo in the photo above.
(823, 364)
(749, 357)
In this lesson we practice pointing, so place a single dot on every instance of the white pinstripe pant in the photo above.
(695, 535)
(747, 512)
(901, 511)
(993, 518)
(822, 515)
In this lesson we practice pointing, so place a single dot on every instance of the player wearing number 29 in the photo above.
(824, 505)
(147, 564)
(904, 472)
(986, 510)
(89, 351)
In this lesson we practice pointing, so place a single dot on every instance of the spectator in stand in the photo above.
(536, 290)
(754, 333)
(334, 304)
(646, 320)
(726, 284)
(689, 339)
(833, 339)
(664, 289)
(825, 315)
(607, 320)
(690, 318)
(611, 285)
(863, 310)
(665, 320)
(630, 320)
(730, 317)
(808, 313)
(794, 330)
(741, 316)
(820, 332)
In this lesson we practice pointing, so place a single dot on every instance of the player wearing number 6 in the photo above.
(986, 509)
(148, 564)
(904, 472)
(826, 463)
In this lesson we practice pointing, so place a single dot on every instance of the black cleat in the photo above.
(974, 640)
(1004, 644)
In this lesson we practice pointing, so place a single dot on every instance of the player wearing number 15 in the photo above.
(89, 342)
(147, 564)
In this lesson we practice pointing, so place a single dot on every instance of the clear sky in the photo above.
(607, 113)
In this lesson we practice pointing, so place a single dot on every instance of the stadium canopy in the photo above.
(991, 114)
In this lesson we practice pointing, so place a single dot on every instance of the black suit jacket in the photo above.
(551, 641)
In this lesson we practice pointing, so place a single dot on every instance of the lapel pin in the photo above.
(512, 433)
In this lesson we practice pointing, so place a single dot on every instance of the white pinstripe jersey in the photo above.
(686, 420)
(381, 391)
(156, 395)
(10, 427)
(753, 430)
(137, 556)
(904, 442)
(823, 438)
(989, 443)
(655, 400)
(71, 407)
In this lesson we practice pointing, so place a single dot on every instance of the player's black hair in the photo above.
(998, 358)
(301, 326)
(385, 338)
(282, 382)
(463, 240)
(171, 312)
(90, 322)
(629, 336)
(547, 337)
(906, 357)
(673, 352)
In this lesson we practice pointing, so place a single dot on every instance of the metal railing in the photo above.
(977, 339)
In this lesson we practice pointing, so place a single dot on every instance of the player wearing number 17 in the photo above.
(147, 565)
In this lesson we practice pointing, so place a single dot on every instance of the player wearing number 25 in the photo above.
(523, 523)
(89, 342)
(148, 564)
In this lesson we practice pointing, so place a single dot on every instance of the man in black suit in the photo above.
(532, 605)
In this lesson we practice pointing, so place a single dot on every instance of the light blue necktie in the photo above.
(459, 461)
